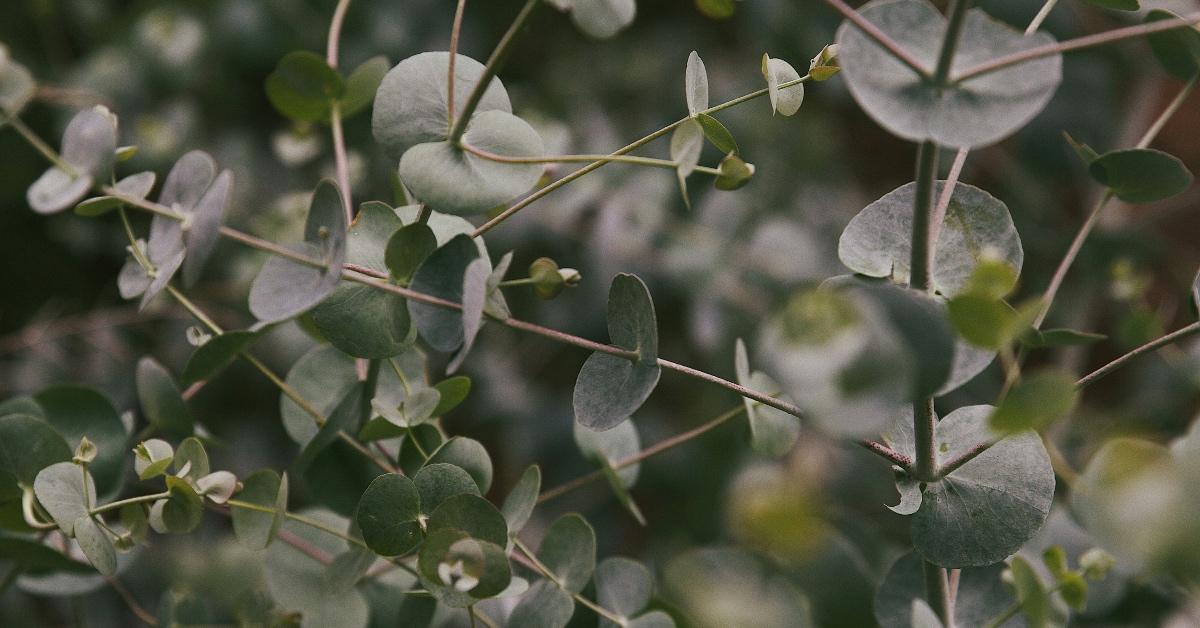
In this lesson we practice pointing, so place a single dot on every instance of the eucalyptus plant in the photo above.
(391, 290)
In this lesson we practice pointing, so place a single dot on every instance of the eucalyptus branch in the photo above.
(140, 499)
(1079, 43)
(489, 71)
(36, 142)
(556, 159)
(341, 164)
(545, 571)
(880, 37)
(1041, 16)
(628, 148)
(1157, 343)
(455, 30)
(301, 519)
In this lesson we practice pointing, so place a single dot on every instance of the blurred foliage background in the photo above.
(189, 74)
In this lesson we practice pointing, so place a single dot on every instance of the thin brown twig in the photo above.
(880, 37)
(146, 617)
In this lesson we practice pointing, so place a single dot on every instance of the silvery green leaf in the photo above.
(388, 514)
(519, 504)
(298, 583)
(133, 280)
(545, 605)
(76, 412)
(152, 457)
(910, 496)
(602, 18)
(217, 486)
(254, 528)
(982, 595)
(695, 85)
(569, 551)
(17, 86)
(360, 320)
(442, 276)
(923, 616)
(877, 242)
(474, 300)
(284, 288)
(968, 114)
(202, 234)
(66, 491)
(623, 586)
(348, 568)
(96, 545)
(88, 146)
(410, 105)
(786, 101)
(185, 185)
(496, 306)
(456, 181)
(467, 454)
(609, 389)
(772, 431)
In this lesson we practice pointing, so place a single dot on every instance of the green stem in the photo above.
(880, 37)
(955, 20)
(312, 523)
(36, 142)
(512, 283)
(636, 144)
(489, 71)
(132, 500)
(341, 163)
(1068, 259)
(1170, 338)
(557, 159)
(937, 592)
(1041, 16)
(455, 29)
(599, 610)
(919, 268)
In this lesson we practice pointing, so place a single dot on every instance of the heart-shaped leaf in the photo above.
(569, 551)
(254, 528)
(388, 515)
(963, 114)
(88, 146)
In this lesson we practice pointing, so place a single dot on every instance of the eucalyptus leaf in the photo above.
(623, 586)
(545, 605)
(609, 389)
(474, 299)
(773, 432)
(467, 454)
(191, 455)
(453, 390)
(977, 226)
(910, 496)
(1037, 400)
(76, 412)
(202, 234)
(602, 18)
(981, 595)
(408, 248)
(66, 491)
(442, 276)
(389, 515)
(717, 133)
(786, 101)
(213, 356)
(343, 418)
(360, 320)
(182, 191)
(438, 482)
(1141, 175)
(569, 551)
(17, 85)
(96, 545)
(519, 504)
(410, 105)
(28, 444)
(963, 114)
(1177, 50)
(348, 568)
(695, 85)
(456, 181)
(254, 528)
(473, 515)
(362, 84)
(161, 400)
(734, 173)
(88, 145)
(303, 86)
(300, 584)
(35, 556)
(283, 288)
(152, 458)
(182, 511)
(459, 569)
(135, 185)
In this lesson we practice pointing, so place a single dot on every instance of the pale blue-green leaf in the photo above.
(602, 18)
(57, 190)
(360, 320)
(921, 323)
(773, 432)
(474, 299)
(76, 412)
(569, 551)
(88, 147)
(981, 594)
(298, 583)
(786, 101)
(407, 249)
(611, 446)
(343, 418)
(457, 181)
(162, 403)
(695, 87)
(545, 605)
(910, 496)
(623, 586)
(185, 185)
(96, 545)
(877, 242)
(284, 288)
(17, 85)
(519, 504)
(968, 114)
(202, 234)
(66, 491)
(442, 276)
(473, 515)
(164, 270)
(348, 568)
(190, 454)
(254, 528)
(410, 105)
(152, 458)
(923, 616)
(467, 454)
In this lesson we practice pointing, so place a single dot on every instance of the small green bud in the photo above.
(734, 173)
(548, 281)
(1095, 563)
(85, 452)
(825, 64)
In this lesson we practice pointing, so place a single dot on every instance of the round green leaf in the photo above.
(968, 114)
(438, 482)
(75, 412)
(181, 512)
(773, 432)
(303, 86)
(185, 186)
(410, 106)
(202, 234)
(17, 86)
(695, 88)
(408, 248)
(388, 514)
(602, 18)
(459, 570)
(96, 545)
(213, 356)
(609, 389)
(878, 241)
(297, 583)
(473, 515)
(362, 84)
(777, 71)
(734, 173)
(191, 454)
(987, 508)
(452, 391)
(1037, 400)
(569, 551)
(344, 417)
(283, 288)
(455, 181)
(1178, 50)
(519, 504)
(1141, 175)
(28, 444)
(981, 596)
(360, 320)
(161, 401)
(623, 586)
(545, 605)
(442, 276)
(254, 528)
(469, 455)
(88, 146)
(66, 492)
(611, 446)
